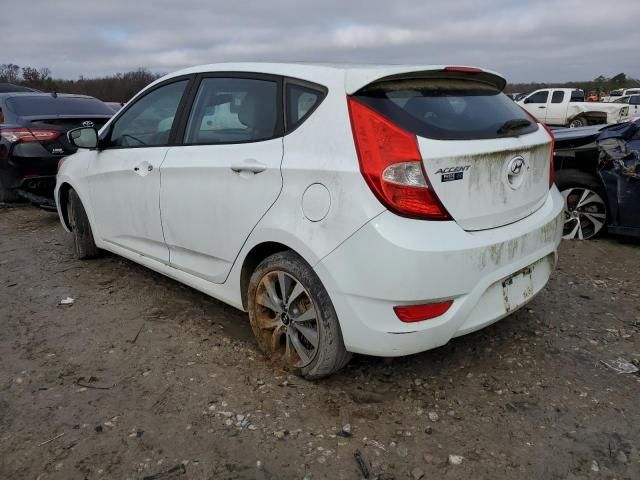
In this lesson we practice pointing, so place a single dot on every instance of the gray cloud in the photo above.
(525, 41)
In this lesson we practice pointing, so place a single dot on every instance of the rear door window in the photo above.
(233, 110)
(577, 96)
(447, 109)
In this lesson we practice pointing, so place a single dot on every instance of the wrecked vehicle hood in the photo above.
(573, 137)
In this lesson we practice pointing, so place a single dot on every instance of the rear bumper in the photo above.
(35, 175)
(396, 261)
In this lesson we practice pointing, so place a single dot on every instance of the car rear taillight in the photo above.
(552, 171)
(391, 164)
(17, 135)
(418, 313)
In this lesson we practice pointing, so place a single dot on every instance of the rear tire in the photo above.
(585, 208)
(578, 122)
(293, 319)
(83, 242)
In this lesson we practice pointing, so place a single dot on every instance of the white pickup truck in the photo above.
(564, 107)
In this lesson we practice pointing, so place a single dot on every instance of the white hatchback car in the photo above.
(379, 210)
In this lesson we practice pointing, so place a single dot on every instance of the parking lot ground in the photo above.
(142, 376)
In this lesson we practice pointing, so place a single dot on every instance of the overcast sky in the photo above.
(524, 40)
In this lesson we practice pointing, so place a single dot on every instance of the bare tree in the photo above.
(9, 72)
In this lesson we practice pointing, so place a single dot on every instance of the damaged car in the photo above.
(32, 139)
(598, 174)
(565, 107)
(380, 210)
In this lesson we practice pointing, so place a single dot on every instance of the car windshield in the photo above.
(27, 106)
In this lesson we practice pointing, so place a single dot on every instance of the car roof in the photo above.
(42, 94)
(352, 76)
(11, 88)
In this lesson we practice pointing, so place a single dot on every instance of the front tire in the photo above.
(293, 319)
(585, 206)
(83, 243)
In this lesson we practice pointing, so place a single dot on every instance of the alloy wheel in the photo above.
(585, 213)
(286, 319)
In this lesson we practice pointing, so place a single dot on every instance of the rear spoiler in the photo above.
(358, 78)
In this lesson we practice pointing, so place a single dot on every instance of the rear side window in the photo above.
(557, 97)
(577, 96)
(447, 109)
(301, 101)
(233, 110)
(48, 105)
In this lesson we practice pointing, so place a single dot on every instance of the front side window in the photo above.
(148, 122)
(233, 110)
(538, 97)
(557, 97)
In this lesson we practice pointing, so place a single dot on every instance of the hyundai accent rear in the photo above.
(379, 210)
(473, 221)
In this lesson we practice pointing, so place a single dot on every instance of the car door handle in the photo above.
(542, 107)
(138, 168)
(249, 166)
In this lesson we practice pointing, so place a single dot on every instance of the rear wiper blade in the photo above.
(514, 124)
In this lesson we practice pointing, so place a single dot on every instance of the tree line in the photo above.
(600, 84)
(120, 87)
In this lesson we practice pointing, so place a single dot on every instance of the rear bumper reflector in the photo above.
(418, 313)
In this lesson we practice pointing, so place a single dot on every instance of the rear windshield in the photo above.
(47, 105)
(448, 109)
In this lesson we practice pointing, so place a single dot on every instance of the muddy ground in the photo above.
(142, 376)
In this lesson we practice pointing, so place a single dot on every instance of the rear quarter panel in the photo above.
(320, 151)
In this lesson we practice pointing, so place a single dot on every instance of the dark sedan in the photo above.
(598, 173)
(33, 140)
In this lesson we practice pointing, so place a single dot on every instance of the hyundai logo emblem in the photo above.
(516, 165)
(87, 123)
(516, 169)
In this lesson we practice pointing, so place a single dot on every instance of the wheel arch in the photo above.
(576, 178)
(62, 201)
(590, 118)
(253, 258)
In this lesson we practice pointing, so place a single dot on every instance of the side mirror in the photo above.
(527, 100)
(83, 137)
